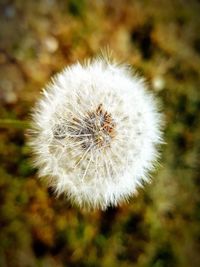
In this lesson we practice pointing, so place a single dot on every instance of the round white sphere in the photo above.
(95, 133)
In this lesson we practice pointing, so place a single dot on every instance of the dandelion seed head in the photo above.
(95, 133)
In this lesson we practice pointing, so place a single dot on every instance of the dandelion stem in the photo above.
(9, 123)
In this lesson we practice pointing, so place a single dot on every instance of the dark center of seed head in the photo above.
(95, 129)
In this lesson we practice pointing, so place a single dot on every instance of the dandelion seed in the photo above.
(95, 133)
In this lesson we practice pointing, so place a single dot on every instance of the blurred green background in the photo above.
(161, 226)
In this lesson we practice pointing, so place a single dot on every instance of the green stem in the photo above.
(9, 123)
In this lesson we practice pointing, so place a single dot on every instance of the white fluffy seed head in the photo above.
(95, 133)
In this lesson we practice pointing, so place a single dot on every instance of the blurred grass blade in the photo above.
(9, 123)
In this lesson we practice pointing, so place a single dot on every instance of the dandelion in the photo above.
(95, 133)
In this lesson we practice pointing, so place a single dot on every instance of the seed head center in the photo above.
(96, 129)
